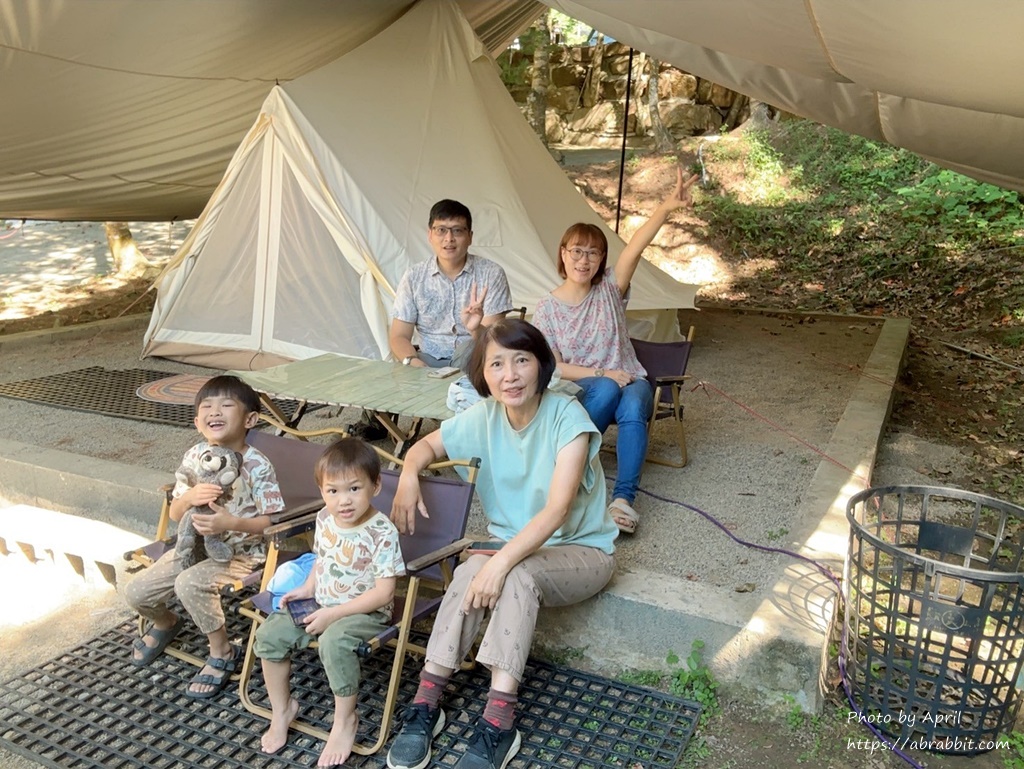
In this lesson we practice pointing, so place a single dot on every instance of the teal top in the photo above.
(517, 465)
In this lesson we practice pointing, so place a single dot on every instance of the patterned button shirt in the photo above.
(428, 299)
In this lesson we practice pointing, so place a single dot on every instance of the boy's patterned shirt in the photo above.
(350, 561)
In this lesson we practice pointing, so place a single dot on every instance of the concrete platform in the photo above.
(785, 431)
(770, 643)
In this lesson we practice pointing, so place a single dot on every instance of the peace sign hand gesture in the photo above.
(473, 313)
(680, 197)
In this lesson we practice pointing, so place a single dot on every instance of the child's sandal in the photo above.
(225, 667)
(163, 639)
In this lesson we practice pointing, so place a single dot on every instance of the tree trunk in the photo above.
(735, 116)
(663, 141)
(592, 85)
(537, 101)
(643, 120)
(129, 261)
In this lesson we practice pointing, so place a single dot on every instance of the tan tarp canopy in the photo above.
(119, 109)
(939, 77)
(125, 110)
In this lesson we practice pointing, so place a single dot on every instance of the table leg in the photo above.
(400, 436)
(276, 413)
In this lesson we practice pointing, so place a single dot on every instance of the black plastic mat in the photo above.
(91, 707)
(110, 392)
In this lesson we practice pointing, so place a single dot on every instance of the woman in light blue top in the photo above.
(542, 489)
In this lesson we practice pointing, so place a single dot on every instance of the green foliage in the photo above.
(963, 206)
(641, 677)
(819, 207)
(516, 62)
(795, 717)
(531, 39)
(697, 752)
(1014, 338)
(694, 681)
(1013, 756)
(764, 169)
(573, 32)
(515, 71)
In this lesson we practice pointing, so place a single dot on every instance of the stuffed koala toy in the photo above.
(214, 465)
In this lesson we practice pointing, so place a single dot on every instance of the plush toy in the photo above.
(215, 465)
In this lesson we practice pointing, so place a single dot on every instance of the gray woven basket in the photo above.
(934, 622)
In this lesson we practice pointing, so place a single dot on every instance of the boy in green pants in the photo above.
(353, 581)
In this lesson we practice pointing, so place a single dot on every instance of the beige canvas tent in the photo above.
(324, 205)
(117, 109)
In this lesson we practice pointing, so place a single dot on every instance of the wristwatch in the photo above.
(407, 360)
(599, 372)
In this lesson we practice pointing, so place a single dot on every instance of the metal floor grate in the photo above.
(91, 708)
(110, 392)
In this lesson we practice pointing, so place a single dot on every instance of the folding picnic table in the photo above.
(380, 387)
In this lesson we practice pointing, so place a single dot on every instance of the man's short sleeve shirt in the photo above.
(427, 298)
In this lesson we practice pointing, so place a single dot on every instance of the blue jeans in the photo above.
(630, 407)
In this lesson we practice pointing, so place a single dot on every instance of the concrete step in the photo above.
(88, 546)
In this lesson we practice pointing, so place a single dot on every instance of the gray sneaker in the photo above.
(411, 747)
(490, 747)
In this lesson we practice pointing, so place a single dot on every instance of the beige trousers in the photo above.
(552, 576)
(198, 587)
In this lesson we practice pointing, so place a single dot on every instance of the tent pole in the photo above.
(625, 122)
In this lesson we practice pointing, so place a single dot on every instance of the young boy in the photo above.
(226, 408)
(353, 580)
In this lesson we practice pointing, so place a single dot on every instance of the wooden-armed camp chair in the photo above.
(293, 464)
(430, 556)
(665, 363)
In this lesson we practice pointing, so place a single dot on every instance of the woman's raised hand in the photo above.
(680, 197)
(408, 501)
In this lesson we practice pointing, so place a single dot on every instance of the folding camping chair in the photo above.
(430, 557)
(293, 464)
(665, 363)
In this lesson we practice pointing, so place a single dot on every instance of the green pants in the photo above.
(278, 637)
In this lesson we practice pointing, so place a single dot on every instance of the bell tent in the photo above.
(325, 203)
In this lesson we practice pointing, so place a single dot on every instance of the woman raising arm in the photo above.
(584, 320)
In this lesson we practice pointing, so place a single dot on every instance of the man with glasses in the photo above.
(445, 298)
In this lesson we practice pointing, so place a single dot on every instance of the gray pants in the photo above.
(552, 576)
(198, 587)
(459, 359)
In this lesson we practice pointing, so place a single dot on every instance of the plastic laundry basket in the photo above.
(933, 626)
